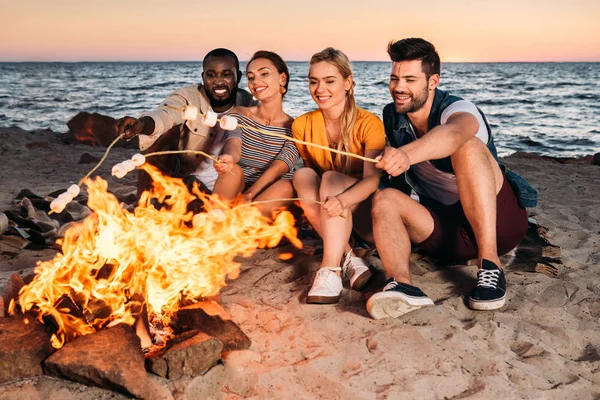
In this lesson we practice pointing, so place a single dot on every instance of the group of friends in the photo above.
(432, 143)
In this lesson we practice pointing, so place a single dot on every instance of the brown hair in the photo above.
(277, 61)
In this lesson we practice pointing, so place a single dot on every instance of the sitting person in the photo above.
(254, 163)
(165, 129)
(442, 146)
(344, 184)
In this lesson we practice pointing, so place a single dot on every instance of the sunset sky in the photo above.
(151, 30)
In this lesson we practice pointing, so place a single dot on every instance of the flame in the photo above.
(115, 261)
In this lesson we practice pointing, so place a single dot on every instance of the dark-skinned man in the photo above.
(164, 128)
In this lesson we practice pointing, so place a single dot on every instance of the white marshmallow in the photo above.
(119, 170)
(66, 197)
(57, 205)
(218, 215)
(210, 118)
(229, 123)
(138, 159)
(128, 165)
(74, 190)
(190, 113)
(199, 220)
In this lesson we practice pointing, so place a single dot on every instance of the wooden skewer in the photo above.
(265, 132)
(160, 153)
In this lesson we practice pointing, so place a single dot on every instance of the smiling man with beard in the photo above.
(441, 147)
(165, 129)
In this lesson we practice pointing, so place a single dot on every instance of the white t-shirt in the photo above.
(206, 172)
(426, 179)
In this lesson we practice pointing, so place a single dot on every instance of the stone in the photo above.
(24, 344)
(11, 291)
(211, 319)
(87, 158)
(93, 129)
(110, 358)
(188, 355)
(3, 223)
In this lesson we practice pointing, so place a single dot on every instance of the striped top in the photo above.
(259, 150)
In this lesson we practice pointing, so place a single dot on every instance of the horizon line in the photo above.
(290, 61)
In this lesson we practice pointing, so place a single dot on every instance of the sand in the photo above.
(544, 344)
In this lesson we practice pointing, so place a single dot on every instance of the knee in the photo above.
(303, 175)
(471, 147)
(387, 202)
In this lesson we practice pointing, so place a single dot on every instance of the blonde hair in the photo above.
(348, 119)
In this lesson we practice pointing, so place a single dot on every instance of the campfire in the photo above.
(160, 257)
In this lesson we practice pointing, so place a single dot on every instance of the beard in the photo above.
(214, 102)
(416, 103)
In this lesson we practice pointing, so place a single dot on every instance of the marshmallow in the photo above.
(217, 214)
(128, 165)
(57, 205)
(138, 159)
(199, 220)
(190, 113)
(228, 123)
(73, 190)
(119, 170)
(66, 197)
(210, 118)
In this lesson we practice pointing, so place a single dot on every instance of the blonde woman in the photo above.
(343, 184)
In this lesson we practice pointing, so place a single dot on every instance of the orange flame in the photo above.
(115, 261)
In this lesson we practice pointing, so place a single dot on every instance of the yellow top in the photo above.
(369, 134)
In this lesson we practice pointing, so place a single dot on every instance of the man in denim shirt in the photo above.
(441, 147)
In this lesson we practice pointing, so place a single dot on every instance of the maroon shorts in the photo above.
(452, 238)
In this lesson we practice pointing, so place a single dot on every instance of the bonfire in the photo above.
(115, 264)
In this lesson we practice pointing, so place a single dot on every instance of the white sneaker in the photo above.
(357, 271)
(327, 287)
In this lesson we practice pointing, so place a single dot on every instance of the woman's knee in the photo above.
(304, 176)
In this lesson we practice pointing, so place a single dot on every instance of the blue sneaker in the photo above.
(396, 299)
(490, 292)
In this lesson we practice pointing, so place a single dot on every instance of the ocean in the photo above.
(546, 108)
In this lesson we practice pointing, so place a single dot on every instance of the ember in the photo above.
(115, 261)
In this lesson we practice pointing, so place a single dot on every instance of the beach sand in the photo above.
(544, 344)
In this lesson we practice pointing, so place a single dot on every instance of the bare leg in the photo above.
(398, 220)
(479, 180)
(335, 230)
(230, 185)
(306, 183)
(279, 190)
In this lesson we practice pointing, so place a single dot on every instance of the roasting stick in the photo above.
(190, 113)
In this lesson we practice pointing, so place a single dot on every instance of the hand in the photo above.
(248, 196)
(393, 161)
(129, 126)
(333, 206)
(225, 164)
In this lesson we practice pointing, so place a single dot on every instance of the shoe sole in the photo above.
(392, 307)
(361, 280)
(322, 299)
(481, 305)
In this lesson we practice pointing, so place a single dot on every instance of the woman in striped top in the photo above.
(261, 165)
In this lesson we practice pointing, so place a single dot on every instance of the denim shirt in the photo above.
(398, 133)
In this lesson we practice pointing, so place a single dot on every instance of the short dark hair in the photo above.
(221, 52)
(416, 49)
(277, 61)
